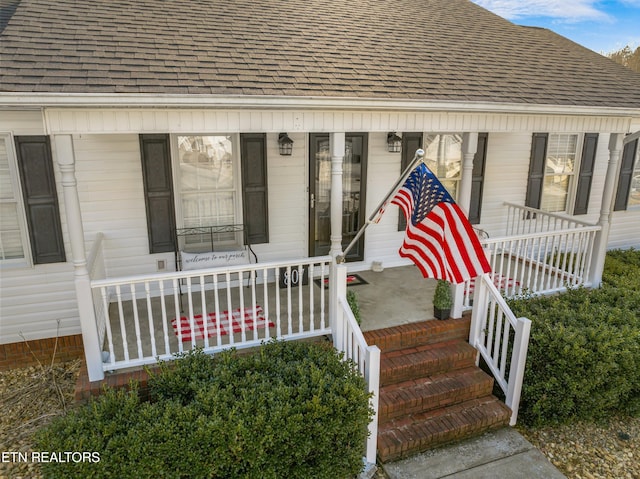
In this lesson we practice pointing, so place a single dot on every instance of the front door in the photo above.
(353, 193)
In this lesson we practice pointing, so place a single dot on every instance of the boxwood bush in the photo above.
(584, 352)
(288, 410)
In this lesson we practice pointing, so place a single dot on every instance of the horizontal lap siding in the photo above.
(32, 300)
(288, 201)
(382, 240)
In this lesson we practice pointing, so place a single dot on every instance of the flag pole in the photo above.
(418, 157)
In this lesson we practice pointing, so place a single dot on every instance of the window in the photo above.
(13, 235)
(209, 189)
(206, 183)
(560, 172)
(443, 156)
(628, 193)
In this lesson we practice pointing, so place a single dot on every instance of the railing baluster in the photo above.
(205, 313)
(243, 329)
(136, 319)
(165, 332)
(322, 318)
(300, 302)
(229, 309)
(216, 297)
(152, 332)
(505, 348)
(176, 305)
(311, 301)
(192, 320)
(265, 289)
(288, 285)
(254, 305)
(123, 329)
(105, 305)
(277, 288)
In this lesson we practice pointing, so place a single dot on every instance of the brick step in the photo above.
(426, 360)
(424, 394)
(423, 431)
(420, 333)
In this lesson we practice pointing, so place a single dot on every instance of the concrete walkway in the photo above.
(503, 453)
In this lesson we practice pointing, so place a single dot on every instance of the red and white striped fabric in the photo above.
(212, 323)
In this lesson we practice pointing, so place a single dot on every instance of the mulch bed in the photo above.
(29, 399)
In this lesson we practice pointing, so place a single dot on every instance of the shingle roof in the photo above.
(444, 50)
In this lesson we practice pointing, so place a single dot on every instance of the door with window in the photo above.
(353, 193)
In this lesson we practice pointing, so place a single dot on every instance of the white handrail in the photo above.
(349, 339)
(494, 331)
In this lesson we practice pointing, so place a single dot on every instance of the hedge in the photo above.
(584, 353)
(289, 410)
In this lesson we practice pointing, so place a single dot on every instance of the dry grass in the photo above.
(29, 399)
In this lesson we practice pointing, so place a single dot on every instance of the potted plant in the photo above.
(442, 300)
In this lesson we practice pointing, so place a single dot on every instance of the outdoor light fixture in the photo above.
(285, 144)
(394, 142)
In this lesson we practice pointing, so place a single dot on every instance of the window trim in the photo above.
(237, 181)
(16, 185)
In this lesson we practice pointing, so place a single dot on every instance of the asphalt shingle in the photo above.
(411, 49)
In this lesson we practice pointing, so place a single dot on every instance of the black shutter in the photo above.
(254, 187)
(536, 170)
(477, 179)
(410, 143)
(626, 173)
(41, 199)
(158, 192)
(589, 146)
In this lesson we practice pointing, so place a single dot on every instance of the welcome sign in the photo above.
(191, 261)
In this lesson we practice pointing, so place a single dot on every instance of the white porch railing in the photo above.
(542, 253)
(349, 339)
(501, 339)
(239, 307)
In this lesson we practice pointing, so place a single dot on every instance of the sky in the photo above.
(602, 26)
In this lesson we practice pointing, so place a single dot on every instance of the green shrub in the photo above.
(288, 410)
(352, 299)
(584, 352)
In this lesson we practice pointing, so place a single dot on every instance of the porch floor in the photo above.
(393, 297)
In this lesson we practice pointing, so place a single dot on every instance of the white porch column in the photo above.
(469, 148)
(606, 208)
(336, 146)
(92, 349)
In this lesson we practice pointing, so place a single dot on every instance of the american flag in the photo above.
(439, 238)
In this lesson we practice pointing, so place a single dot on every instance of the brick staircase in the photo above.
(431, 392)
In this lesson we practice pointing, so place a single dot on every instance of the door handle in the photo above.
(312, 201)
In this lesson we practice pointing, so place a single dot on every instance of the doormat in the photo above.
(352, 280)
(212, 323)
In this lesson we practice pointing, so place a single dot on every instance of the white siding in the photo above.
(22, 122)
(33, 299)
(382, 240)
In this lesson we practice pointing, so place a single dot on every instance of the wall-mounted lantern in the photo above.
(285, 144)
(394, 142)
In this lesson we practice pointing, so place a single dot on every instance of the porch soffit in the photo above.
(152, 120)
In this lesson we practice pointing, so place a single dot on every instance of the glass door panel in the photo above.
(353, 194)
